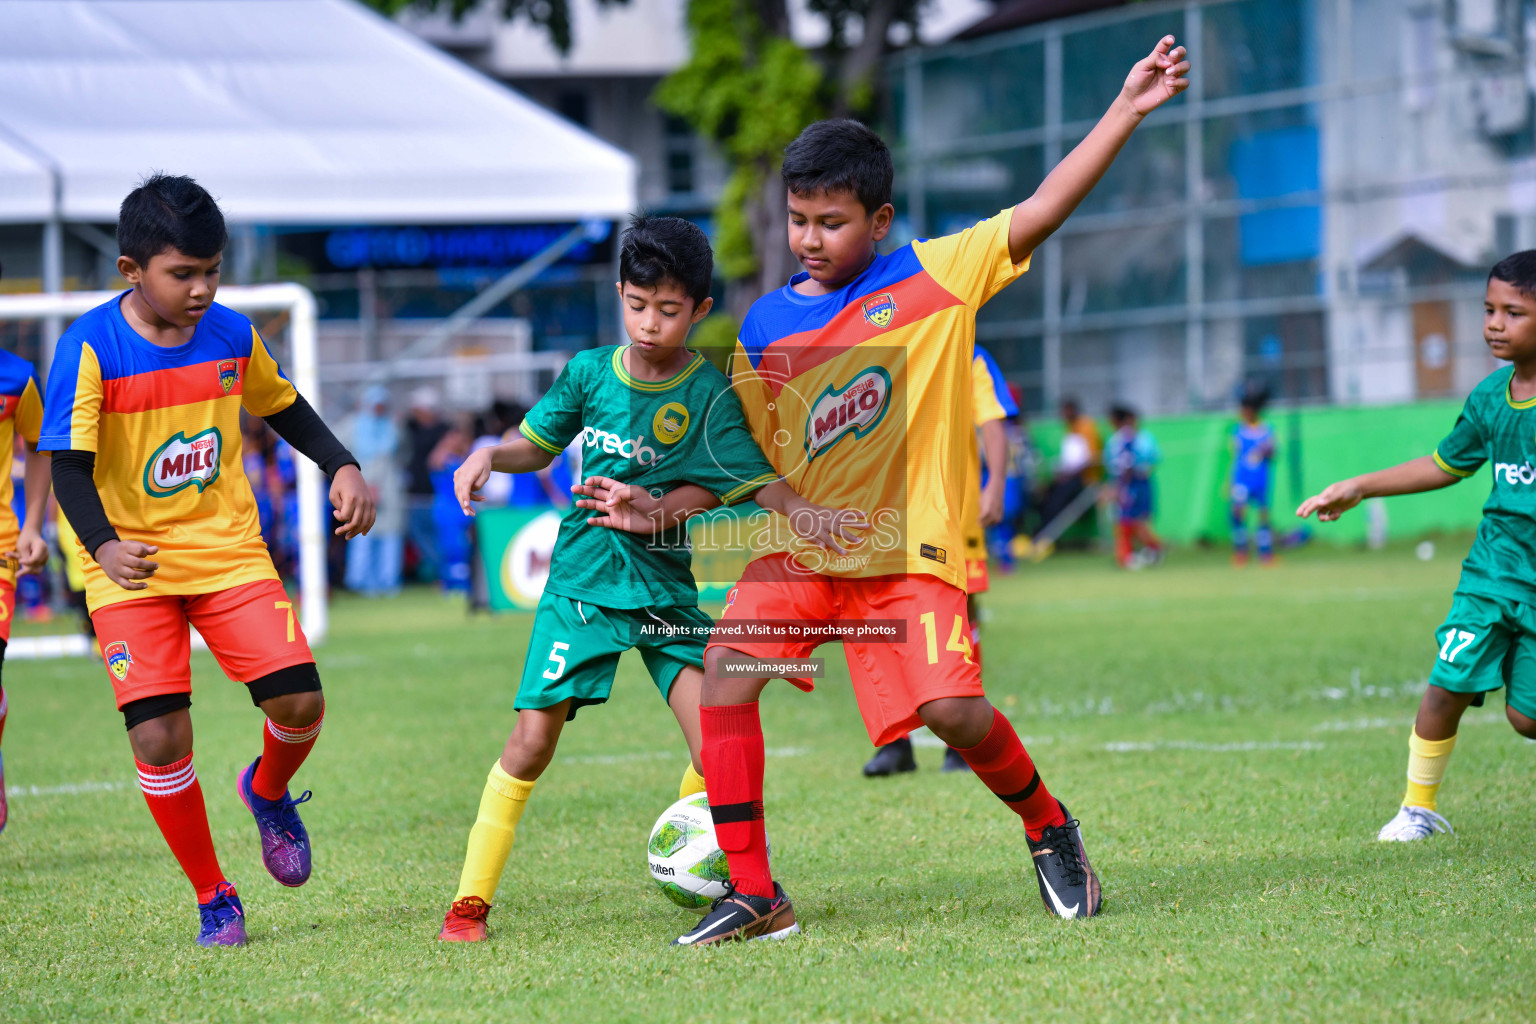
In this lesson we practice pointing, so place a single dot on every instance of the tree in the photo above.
(748, 87)
(554, 16)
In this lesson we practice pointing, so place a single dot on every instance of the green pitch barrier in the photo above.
(1316, 447)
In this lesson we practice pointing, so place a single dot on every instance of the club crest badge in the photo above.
(229, 374)
(118, 659)
(879, 310)
(670, 423)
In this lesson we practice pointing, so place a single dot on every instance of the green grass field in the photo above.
(1231, 740)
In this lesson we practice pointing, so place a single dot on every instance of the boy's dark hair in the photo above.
(1121, 414)
(840, 156)
(1255, 395)
(1518, 269)
(169, 211)
(659, 249)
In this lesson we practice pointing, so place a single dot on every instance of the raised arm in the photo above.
(1413, 477)
(1155, 80)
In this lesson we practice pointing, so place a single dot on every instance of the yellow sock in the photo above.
(1427, 760)
(692, 782)
(490, 841)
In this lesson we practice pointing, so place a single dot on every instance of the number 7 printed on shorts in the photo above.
(1461, 639)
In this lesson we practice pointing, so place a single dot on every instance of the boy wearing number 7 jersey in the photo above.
(662, 436)
(1488, 640)
(142, 416)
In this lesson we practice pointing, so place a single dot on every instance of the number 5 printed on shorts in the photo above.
(1456, 641)
(556, 660)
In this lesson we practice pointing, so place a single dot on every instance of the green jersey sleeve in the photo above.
(1465, 448)
(729, 463)
(557, 417)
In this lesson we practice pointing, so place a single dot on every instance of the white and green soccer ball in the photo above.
(687, 863)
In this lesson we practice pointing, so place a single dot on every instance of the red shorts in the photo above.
(253, 630)
(976, 579)
(928, 658)
(7, 607)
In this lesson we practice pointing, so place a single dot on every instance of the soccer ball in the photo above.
(687, 863)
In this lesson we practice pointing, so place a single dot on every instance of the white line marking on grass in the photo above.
(67, 789)
(1212, 748)
(1401, 722)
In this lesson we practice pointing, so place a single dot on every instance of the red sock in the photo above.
(176, 800)
(1124, 547)
(283, 749)
(5, 705)
(733, 764)
(1003, 764)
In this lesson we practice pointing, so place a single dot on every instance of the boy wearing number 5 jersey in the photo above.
(662, 436)
(143, 410)
(1488, 641)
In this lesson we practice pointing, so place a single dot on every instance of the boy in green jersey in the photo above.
(1488, 641)
(657, 416)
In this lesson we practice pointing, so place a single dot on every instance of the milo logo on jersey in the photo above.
(118, 659)
(184, 462)
(852, 410)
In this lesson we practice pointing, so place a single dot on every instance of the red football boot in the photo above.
(465, 921)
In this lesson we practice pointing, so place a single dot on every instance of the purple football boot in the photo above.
(223, 919)
(284, 843)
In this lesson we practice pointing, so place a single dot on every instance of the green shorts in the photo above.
(1488, 643)
(575, 648)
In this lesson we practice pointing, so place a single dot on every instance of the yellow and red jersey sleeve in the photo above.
(974, 264)
(266, 390)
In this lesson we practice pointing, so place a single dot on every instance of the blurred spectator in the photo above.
(373, 561)
(1133, 455)
(424, 431)
(1080, 464)
(1022, 466)
(490, 429)
(451, 525)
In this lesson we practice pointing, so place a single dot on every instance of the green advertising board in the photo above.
(516, 545)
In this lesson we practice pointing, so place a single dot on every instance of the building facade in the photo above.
(1318, 211)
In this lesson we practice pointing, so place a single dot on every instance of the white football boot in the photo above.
(1413, 823)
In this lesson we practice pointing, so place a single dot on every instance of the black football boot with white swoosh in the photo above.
(737, 916)
(1068, 886)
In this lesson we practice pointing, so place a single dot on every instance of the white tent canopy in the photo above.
(288, 111)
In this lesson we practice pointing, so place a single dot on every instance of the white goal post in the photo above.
(303, 369)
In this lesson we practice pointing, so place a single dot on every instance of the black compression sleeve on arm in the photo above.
(74, 486)
(303, 428)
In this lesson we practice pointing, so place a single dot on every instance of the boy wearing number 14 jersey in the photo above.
(143, 418)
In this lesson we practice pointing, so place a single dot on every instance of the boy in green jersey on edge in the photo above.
(657, 416)
(1488, 640)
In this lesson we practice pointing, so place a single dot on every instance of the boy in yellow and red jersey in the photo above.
(855, 379)
(143, 417)
(21, 414)
(991, 405)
